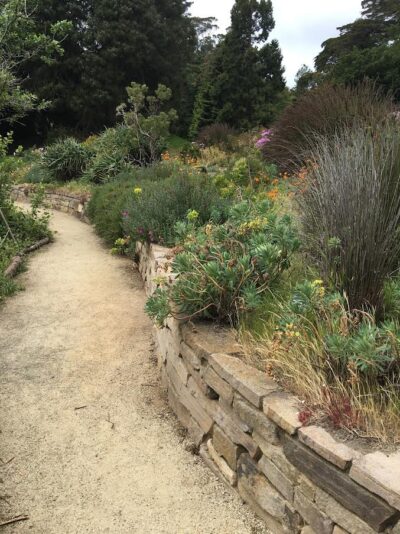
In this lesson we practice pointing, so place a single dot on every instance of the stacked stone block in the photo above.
(298, 479)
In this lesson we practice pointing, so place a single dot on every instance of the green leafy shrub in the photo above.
(224, 270)
(323, 111)
(66, 159)
(156, 207)
(106, 208)
(113, 151)
(148, 120)
(350, 211)
(218, 134)
(26, 228)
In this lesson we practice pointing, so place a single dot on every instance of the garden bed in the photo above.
(249, 431)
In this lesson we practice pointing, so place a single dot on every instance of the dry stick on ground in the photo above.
(14, 520)
(17, 260)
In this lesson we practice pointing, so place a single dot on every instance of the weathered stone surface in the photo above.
(190, 357)
(277, 478)
(195, 432)
(307, 488)
(267, 497)
(317, 520)
(257, 420)
(206, 339)
(269, 504)
(308, 530)
(326, 446)
(249, 382)
(339, 530)
(340, 515)
(225, 447)
(180, 370)
(379, 473)
(396, 529)
(277, 456)
(206, 404)
(226, 471)
(283, 409)
(192, 405)
(232, 428)
(372, 509)
(222, 388)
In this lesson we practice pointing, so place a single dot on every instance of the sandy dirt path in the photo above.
(77, 336)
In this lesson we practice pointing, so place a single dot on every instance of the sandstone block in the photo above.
(277, 478)
(326, 446)
(216, 383)
(192, 405)
(208, 405)
(257, 421)
(225, 447)
(339, 530)
(277, 456)
(226, 471)
(374, 511)
(205, 339)
(317, 520)
(189, 356)
(233, 429)
(264, 499)
(283, 409)
(379, 473)
(340, 515)
(307, 488)
(252, 384)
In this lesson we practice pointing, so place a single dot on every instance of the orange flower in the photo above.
(275, 181)
(273, 194)
(257, 180)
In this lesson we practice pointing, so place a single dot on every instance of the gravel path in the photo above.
(77, 337)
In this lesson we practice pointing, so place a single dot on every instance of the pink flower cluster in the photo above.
(264, 139)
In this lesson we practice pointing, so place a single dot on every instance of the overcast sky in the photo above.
(300, 25)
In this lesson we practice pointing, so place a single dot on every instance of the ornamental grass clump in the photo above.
(223, 270)
(350, 211)
(324, 111)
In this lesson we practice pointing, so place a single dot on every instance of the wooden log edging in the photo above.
(17, 260)
(298, 479)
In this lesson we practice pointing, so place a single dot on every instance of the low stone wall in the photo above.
(74, 204)
(298, 479)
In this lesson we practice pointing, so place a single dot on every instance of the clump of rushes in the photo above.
(223, 270)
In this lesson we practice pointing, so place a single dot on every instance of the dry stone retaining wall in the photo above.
(73, 204)
(298, 479)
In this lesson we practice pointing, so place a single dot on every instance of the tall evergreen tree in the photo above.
(243, 77)
(111, 44)
(368, 47)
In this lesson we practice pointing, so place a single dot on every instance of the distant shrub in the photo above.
(156, 207)
(113, 151)
(66, 159)
(38, 173)
(350, 211)
(220, 135)
(323, 111)
(106, 208)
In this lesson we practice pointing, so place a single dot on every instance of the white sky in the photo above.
(300, 25)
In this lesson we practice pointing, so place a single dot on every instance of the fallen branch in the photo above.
(14, 520)
(12, 269)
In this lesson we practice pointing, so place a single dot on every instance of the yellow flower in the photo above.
(137, 191)
(318, 283)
